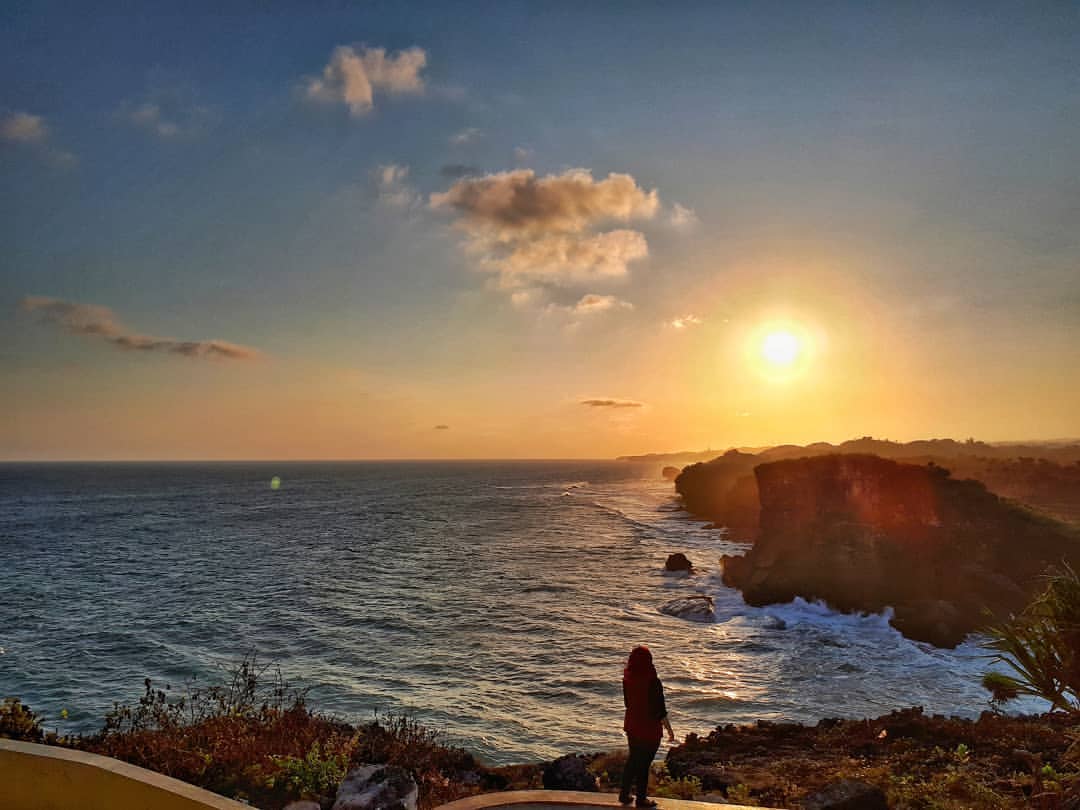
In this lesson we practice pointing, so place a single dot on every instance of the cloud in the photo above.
(522, 154)
(22, 127)
(458, 170)
(394, 190)
(685, 322)
(683, 218)
(529, 229)
(465, 136)
(95, 321)
(352, 77)
(612, 403)
(442, 427)
(170, 110)
(592, 304)
(28, 130)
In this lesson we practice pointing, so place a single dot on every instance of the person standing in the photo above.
(645, 719)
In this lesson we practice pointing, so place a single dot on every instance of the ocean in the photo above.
(496, 601)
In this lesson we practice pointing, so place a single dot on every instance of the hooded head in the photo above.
(639, 666)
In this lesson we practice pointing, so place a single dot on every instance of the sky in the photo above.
(534, 230)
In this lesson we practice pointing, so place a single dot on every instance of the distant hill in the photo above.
(1063, 451)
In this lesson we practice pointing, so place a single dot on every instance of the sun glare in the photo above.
(780, 348)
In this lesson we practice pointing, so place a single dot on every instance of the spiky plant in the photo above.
(1042, 647)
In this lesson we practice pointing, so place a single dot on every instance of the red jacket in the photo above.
(645, 708)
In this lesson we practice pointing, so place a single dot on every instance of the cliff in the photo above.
(863, 533)
(724, 491)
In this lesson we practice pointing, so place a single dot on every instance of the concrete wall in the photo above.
(44, 777)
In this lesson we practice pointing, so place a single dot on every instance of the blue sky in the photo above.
(897, 183)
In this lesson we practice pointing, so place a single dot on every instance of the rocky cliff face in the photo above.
(724, 491)
(863, 533)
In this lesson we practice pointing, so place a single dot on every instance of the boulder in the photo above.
(377, 787)
(697, 608)
(678, 562)
(569, 772)
(670, 473)
(847, 794)
(306, 804)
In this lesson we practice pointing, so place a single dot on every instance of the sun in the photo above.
(780, 349)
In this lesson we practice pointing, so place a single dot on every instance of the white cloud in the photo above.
(391, 180)
(90, 320)
(29, 131)
(683, 218)
(685, 322)
(548, 230)
(465, 136)
(522, 154)
(593, 303)
(352, 77)
(23, 127)
(566, 259)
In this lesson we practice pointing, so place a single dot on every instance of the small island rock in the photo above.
(678, 562)
(670, 473)
(698, 608)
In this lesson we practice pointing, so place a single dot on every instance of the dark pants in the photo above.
(637, 767)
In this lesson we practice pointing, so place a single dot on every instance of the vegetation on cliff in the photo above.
(919, 761)
(255, 738)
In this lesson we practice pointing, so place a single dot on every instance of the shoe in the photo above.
(624, 799)
(645, 803)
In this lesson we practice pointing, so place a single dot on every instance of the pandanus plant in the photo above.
(1041, 647)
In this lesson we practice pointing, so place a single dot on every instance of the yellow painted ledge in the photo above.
(546, 799)
(45, 777)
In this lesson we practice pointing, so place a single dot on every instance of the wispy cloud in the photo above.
(394, 191)
(549, 230)
(29, 130)
(612, 403)
(682, 218)
(465, 136)
(522, 154)
(90, 320)
(23, 127)
(352, 76)
(593, 304)
(442, 427)
(685, 322)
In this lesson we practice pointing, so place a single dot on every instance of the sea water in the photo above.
(496, 601)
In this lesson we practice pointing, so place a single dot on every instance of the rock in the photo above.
(698, 608)
(569, 772)
(677, 562)
(377, 787)
(774, 623)
(306, 804)
(670, 473)
(847, 794)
